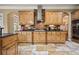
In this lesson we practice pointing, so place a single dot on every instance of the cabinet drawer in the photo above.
(36, 37)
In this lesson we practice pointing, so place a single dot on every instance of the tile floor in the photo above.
(69, 48)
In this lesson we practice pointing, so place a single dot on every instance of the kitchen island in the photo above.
(8, 44)
(42, 36)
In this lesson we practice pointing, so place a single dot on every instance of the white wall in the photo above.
(5, 13)
(58, 6)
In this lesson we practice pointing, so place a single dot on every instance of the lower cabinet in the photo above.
(39, 37)
(63, 37)
(25, 36)
(56, 37)
(49, 37)
(0, 46)
(9, 45)
(42, 36)
(10, 50)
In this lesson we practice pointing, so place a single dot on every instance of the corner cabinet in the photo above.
(26, 17)
(9, 45)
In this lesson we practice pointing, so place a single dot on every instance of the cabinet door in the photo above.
(47, 17)
(28, 36)
(42, 36)
(26, 17)
(53, 37)
(20, 37)
(49, 37)
(30, 18)
(55, 18)
(63, 36)
(60, 18)
(57, 36)
(22, 17)
(9, 40)
(25, 36)
(36, 37)
(0, 46)
(11, 50)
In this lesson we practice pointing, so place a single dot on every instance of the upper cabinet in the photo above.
(75, 15)
(53, 17)
(26, 17)
(56, 18)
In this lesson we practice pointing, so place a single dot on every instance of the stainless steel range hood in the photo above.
(39, 13)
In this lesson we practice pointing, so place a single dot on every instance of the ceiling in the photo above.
(34, 6)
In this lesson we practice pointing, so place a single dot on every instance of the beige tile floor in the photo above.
(69, 48)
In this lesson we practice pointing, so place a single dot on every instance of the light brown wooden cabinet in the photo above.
(56, 37)
(25, 36)
(12, 50)
(42, 37)
(63, 36)
(49, 37)
(39, 37)
(53, 18)
(26, 17)
(0, 46)
(9, 45)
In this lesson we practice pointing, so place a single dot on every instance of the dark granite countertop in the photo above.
(7, 34)
(43, 31)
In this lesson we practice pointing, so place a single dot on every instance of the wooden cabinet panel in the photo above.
(53, 37)
(42, 37)
(49, 37)
(28, 36)
(63, 36)
(57, 36)
(39, 37)
(10, 47)
(53, 18)
(36, 37)
(25, 36)
(12, 50)
(22, 17)
(20, 37)
(26, 17)
(0, 46)
(60, 18)
(8, 40)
